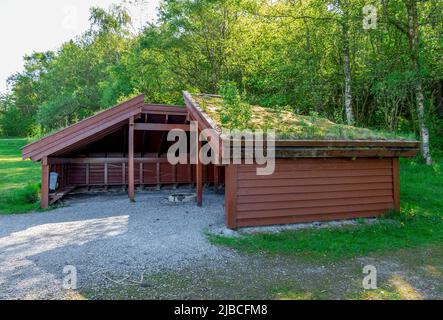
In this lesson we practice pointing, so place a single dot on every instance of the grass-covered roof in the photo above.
(287, 125)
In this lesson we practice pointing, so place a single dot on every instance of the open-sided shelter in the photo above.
(314, 179)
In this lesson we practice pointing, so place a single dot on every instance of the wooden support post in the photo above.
(131, 192)
(395, 184)
(162, 140)
(106, 174)
(87, 174)
(140, 174)
(174, 176)
(216, 178)
(68, 174)
(158, 175)
(44, 201)
(124, 175)
(199, 172)
(143, 136)
(62, 176)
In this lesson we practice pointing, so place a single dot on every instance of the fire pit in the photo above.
(182, 197)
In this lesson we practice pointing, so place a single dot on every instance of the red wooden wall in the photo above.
(311, 189)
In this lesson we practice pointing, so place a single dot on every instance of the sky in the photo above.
(40, 25)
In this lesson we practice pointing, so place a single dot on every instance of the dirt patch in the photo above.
(405, 274)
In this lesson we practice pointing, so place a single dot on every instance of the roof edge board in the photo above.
(66, 131)
(54, 147)
(77, 130)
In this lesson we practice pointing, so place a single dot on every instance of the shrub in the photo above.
(26, 195)
(235, 114)
(14, 124)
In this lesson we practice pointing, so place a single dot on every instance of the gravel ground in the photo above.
(106, 238)
(154, 249)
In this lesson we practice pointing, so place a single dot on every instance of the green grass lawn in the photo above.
(18, 179)
(420, 222)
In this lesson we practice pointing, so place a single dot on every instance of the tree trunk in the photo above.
(348, 88)
(346, 56)
(411, 6)
(424, 132)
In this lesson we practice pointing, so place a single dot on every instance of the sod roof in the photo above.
(287, 124)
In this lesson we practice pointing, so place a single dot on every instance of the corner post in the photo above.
(44, 201)
(198, 171)
(395, 184)
(131, 193)
(231, 196)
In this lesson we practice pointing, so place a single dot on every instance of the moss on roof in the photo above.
(288, 125)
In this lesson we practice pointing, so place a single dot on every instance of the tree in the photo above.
(76, 79)
(410, 28)
(301, 55)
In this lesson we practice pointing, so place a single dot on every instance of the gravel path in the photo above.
(112, 242)
(105, 237)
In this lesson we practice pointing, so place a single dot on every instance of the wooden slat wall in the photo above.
(94, 174)
(303, 190)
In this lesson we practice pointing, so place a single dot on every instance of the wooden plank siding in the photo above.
(304, 190)
(117, 173)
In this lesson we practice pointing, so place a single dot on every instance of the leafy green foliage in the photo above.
(286, 55)
(235, 114)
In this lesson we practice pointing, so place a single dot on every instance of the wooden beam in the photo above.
(395, 184)
(60, 194)
(160, 126)
(338, 143)
(105, 160)
(196, 112)
(148, 108)
(44, 201)
(331, 153)
(162, 113)
(131, 187)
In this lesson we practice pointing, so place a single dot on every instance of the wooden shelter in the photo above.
(314, 179)
(125, 145)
